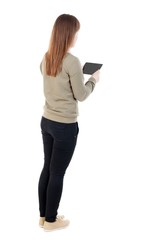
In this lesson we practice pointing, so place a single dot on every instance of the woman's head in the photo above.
(62, 38)
(64, 30)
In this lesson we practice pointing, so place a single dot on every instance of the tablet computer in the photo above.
(90, 68)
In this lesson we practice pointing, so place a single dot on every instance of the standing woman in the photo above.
(63, 87)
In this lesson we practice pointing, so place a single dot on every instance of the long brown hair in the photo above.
(63, 33)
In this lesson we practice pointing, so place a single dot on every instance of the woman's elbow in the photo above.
(81, 98)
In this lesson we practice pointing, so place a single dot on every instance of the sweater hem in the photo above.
(59, 118)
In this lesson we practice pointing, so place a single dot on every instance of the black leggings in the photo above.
(59, 141)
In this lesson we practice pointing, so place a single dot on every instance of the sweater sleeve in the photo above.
(80, 89)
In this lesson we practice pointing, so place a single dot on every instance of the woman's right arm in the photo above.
(80, 90)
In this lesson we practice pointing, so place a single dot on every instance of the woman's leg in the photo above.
(45, 174)
(63, 149)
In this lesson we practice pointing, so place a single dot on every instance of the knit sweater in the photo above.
(63, 92)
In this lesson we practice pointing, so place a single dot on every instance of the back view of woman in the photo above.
(64, 86)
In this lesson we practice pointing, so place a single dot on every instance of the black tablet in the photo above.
(90, 68)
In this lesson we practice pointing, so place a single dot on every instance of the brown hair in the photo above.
(63, 33)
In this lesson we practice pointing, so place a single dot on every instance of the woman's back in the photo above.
(63, 91)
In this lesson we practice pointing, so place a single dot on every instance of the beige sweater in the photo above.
(63, 92)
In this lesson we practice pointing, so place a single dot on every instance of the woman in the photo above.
(63, 87)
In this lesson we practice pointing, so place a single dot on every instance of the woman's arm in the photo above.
(80, 89)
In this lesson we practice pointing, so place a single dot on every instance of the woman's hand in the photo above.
(96, 75)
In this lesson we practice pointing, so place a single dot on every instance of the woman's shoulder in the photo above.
(70, 58)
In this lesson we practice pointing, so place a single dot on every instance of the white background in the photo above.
(106, 188)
